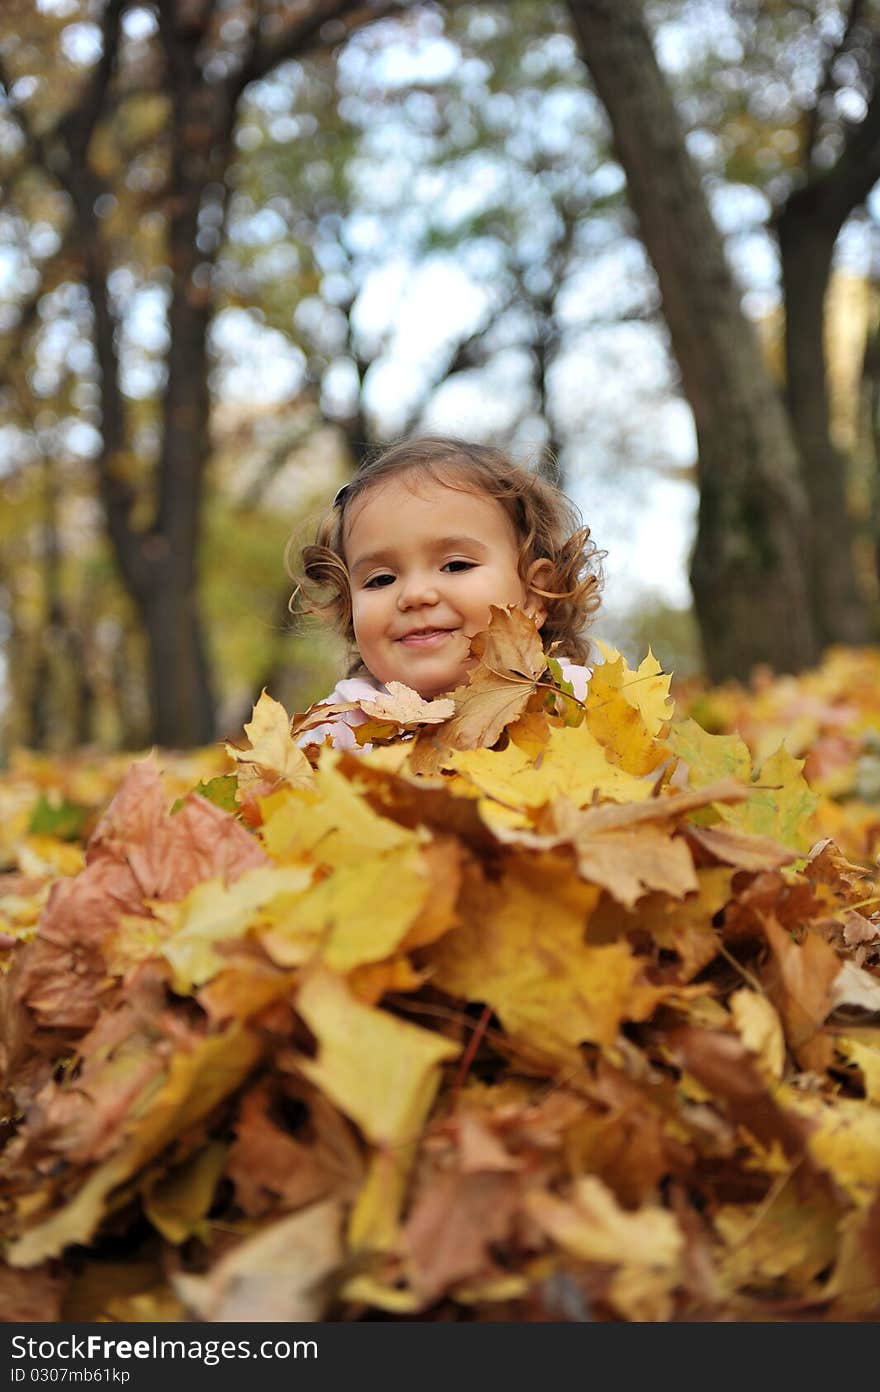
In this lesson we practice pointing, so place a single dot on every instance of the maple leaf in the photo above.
(625, 723)
(779, 810)
(194, 1083)
(138, 853)
(520, 949)
(647, 1244)
(215, 912)
(358, 914)
(389, 1100)
(573, 765)
(844, 1138)
(760, 1029)
(277, 1274)
(126, 1106)
(452, 1224)
(177, 1203)
(799, 979)
(273, 753)
(268, 1164)
(331, 823)
(509, 661)
(406, 708)
(782, 809)
(628, 861)
(710, 757)
(646, 688)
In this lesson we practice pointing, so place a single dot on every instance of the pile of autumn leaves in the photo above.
(531, 1010)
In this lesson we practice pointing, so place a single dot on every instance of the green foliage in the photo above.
(54, 815)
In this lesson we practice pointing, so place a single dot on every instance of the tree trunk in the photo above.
(180, 690)
(748, 566)
(807, 247)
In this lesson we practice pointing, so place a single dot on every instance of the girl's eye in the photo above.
(459, 565)
(376, 582)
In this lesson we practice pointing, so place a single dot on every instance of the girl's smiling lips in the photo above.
(425, 637)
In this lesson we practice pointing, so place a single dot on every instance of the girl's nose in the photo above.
(416, 591)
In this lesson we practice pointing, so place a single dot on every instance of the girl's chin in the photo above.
(429, 686)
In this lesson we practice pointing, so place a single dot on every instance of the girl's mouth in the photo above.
(427, 638)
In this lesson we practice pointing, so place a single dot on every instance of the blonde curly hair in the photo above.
(546, 523)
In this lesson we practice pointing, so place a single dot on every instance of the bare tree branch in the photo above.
(304, 33)
(827, 84)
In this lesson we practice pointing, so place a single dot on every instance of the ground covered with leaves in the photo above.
(533, 1009)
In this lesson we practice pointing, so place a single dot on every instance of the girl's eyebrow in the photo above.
(388, 554)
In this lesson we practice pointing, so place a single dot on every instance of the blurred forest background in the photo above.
(242, 241)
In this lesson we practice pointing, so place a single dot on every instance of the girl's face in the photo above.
(426, 560)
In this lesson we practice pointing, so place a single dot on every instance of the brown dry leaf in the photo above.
(194, 1084)
(510, 659)
(854, 986)
(511, 643)
(730, 1074)
(454, 1220)
(760, 1029)
(739, 848)
(270, 1168)
(646, 1245)
(629, 863)
(798, 979)
(680, 926)
(281, 1273)
(139, 852)
(30, 1296)
(479, 1148)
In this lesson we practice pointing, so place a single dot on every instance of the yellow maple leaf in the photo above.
(521, 949)
(358, 914)
(381, 1071)
(573, 765)
(617, 718)
(782, 808)
(332, 822)
(216, 912)
(845, 1138)
(272, 750)
(384, 1074)
(646, 688)
(794, 1237)
(177, 1203)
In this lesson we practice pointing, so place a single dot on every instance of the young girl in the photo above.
(416, 548)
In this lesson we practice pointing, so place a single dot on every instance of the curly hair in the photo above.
(546, 523)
